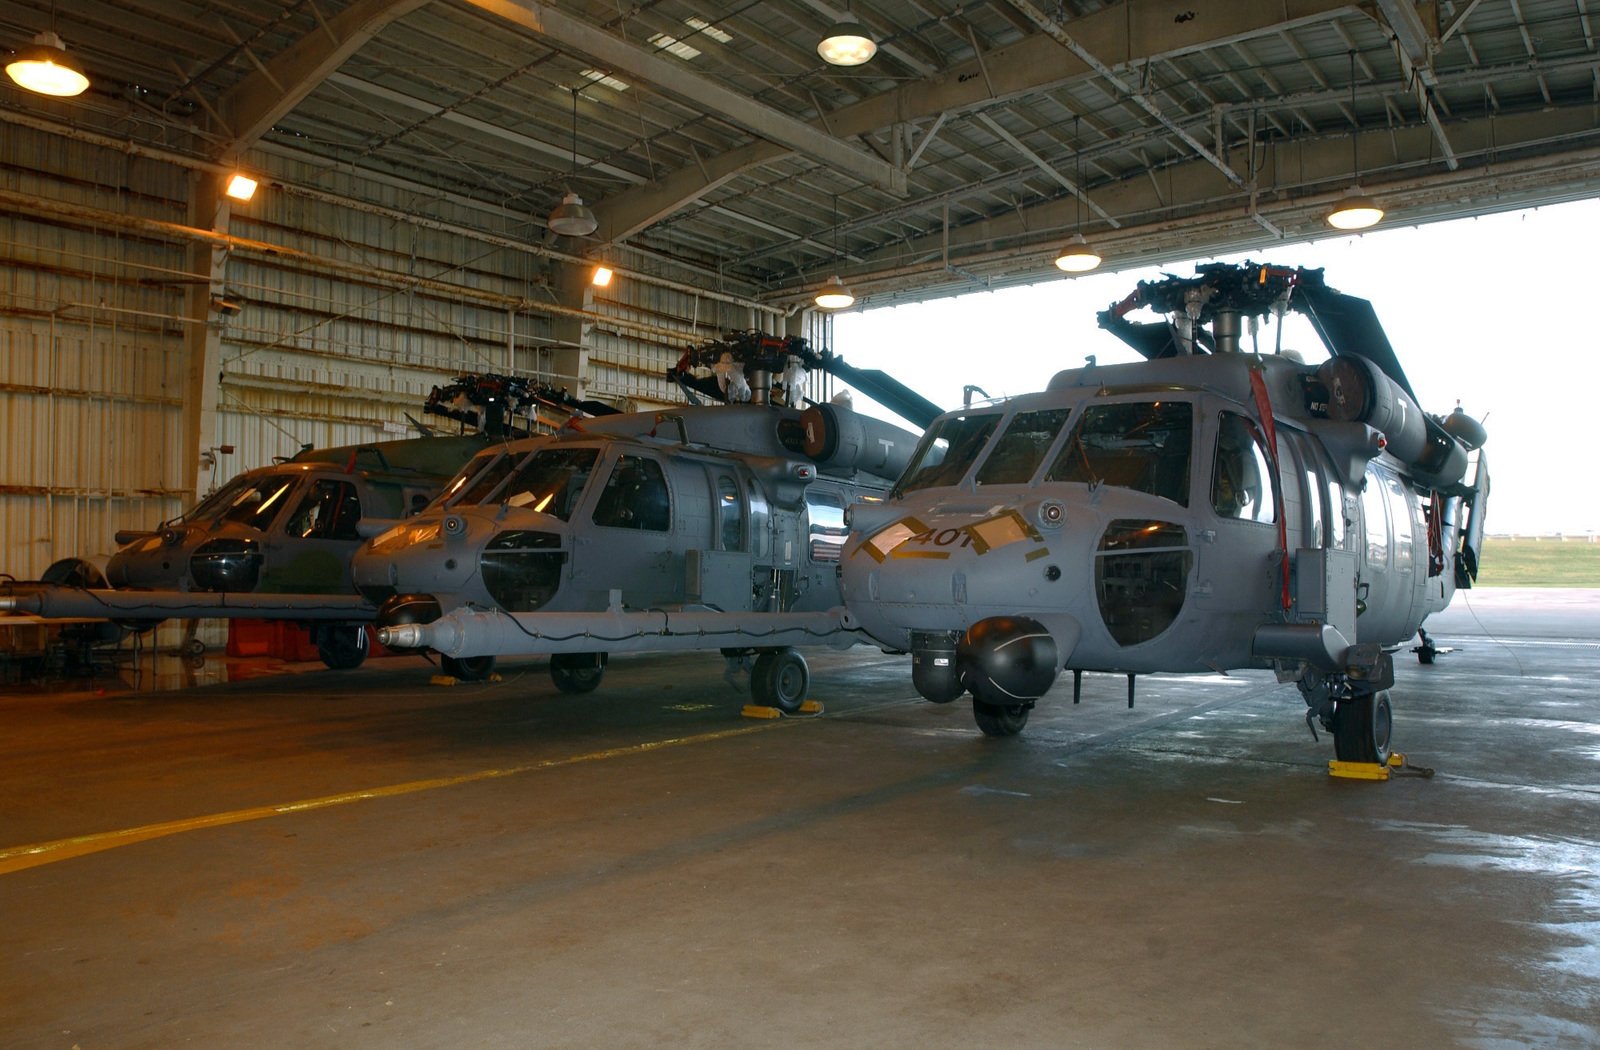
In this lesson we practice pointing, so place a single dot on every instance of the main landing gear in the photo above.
(1355, 710)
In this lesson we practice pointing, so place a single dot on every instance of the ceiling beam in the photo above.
(669, 74)
(261, 99)
(1131, 30)
(1563, 148)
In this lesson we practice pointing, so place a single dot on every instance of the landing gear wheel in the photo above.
(780, 679)
(1000, 719)
(577, 672)
(1361, 727)
(342, 647)
(467, 668)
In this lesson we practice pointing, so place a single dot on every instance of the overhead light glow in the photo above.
(602, 277)
(240, 187)
(834, 295)
(846, 44)
(45, 67)
(1355, 212)
(1077, 256)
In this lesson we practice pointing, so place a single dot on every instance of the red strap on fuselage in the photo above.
(1269, 429)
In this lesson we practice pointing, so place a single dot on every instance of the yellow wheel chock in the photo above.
(1397, 766)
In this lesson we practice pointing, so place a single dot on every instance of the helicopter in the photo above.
(1204, 509)
(275, 542)
(717, 524)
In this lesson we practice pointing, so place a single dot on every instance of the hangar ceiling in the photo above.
(714, 143)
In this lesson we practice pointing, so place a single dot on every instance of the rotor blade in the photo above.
(886, 391)
(1349, 325)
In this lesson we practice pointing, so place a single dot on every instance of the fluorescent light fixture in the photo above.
(847, 43)
(602, 276)
(1356, 211)
(240, 187)
(1077, 256)
(834, 295)
(45, 67)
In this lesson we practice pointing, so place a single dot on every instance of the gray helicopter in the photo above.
(718, 525)
(1208, 508)
(275, 542)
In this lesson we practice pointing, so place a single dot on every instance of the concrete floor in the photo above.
(500, 865)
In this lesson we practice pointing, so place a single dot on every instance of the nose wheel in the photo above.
(577, 672)
(467, 668)
(780, 678)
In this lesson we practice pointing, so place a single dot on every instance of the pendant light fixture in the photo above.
(571, 218)
(1077, 256)
(846, 43)
(1355, 210)
(835, 295)
(45, 67)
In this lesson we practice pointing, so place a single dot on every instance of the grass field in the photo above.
(1525, 562)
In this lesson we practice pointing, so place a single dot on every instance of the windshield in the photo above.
(551, 481)
(474, 467)
(488, 479)
(1142, 446)
(254, 502)
(1021, 447)
(947, 452)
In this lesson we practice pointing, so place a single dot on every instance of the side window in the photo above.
(825, 517)
(329, 511)
(1241, 475)
(1022, 446)
(1400, 516)
(730, 515)
(1374, 509)
(635, 497)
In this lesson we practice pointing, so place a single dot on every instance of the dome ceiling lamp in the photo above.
(835, 295)
(572, 218)
(846, 43)
(1078, 256)
(1355, 210)
(46, 68)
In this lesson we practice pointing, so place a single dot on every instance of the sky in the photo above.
(1516, 342)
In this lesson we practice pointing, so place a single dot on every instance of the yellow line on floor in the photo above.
(19, 858)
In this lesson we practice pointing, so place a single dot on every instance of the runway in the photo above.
(363, 859)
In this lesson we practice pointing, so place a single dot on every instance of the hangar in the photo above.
(436, 183)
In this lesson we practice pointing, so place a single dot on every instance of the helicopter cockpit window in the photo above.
(1241, 479)
(487, 481)
(329, 511)
(258, 504)
(947, 452)
(474, 467)
(551, 481)
(1142, 445)
(635, 497)
(1021, 447)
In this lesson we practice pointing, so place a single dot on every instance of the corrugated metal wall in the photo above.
(336, 339)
